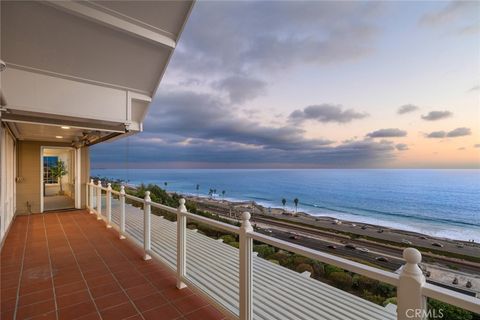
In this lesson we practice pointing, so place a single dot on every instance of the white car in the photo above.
(363, 250)
(406, 241)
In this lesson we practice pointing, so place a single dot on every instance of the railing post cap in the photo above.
(181, 201)
(109, 186)
(147, 196)
(412, 255)
(91, 181)
(99, 182)
(246, 216)
(122, 189)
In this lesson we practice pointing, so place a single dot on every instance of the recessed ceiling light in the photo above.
(65, 127)
(59, 137)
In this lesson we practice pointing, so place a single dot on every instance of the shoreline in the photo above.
(364, 229)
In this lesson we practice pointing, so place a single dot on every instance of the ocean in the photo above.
(442, 203)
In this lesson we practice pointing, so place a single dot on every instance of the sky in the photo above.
(344, 84)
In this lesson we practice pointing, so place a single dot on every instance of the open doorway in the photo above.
(58, 178)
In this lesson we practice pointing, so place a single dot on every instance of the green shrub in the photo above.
(449, 312)
(304, 267)
(330, 269)
(341, 279)
(234, 244)
(264, 250)
(227, 238)
(390, 300)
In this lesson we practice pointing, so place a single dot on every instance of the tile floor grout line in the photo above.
(168, 300)
(78, 265)
(106, 264)
(51, 268)
(21, 268)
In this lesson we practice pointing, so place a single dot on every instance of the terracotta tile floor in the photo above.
(69, 266)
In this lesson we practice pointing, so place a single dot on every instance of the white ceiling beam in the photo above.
(113, 22)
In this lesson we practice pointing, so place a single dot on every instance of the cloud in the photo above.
(200, 130)
(474, 88)
(437, 134)
(267, 35)
(454, 11)
(407, 108)
(326, 113)
(401, 146)
(387, 133)
(458, 132)
(437, 115)
(241, 88)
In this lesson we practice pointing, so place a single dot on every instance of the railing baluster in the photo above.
(146, 226)
(99, 200)
(181, 244)
(90, 195)
(109, 205)
(246, 266)
(122, 212)
(411, 304)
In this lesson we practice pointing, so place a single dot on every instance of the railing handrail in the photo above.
(427, 290)
(451, 297)
(356, 267)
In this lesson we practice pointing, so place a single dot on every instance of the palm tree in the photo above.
(284, 202)
(165, 184)
(214, 193)
(223, 194)
(210, 192)
(296, 204)
(58, 172)
(198, 188)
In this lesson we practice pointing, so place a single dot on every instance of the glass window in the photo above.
(48, 164)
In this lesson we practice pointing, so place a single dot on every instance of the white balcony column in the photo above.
(109, 205)
(122, 212)
(99, 200)
(147, 208)
(411, 304)
(246, 268)
(181, 244)
(90, 194)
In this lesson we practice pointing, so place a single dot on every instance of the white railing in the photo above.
(412, 289)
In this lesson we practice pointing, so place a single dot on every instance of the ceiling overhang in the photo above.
(92, 65)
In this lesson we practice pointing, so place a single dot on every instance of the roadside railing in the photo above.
(412, 289)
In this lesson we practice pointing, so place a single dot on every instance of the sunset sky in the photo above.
(316, 84)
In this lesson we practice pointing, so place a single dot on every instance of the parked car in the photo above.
(267, 230)
(406, 241)
(331, 246)
(350, 246)
(423, 237)
(437, 244)
(363, 250)
(382, 259)
(364, 227)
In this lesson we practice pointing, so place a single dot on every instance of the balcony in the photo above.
(70, 266)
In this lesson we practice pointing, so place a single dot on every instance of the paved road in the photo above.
(393, 254)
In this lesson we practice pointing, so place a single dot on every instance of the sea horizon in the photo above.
(437, 202)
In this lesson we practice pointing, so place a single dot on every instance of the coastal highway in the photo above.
(314, 243)
(319, 240)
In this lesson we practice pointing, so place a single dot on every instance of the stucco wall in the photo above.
(28, 187)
